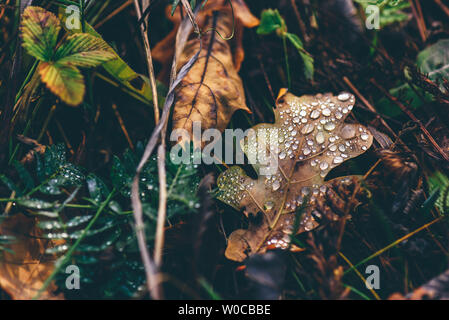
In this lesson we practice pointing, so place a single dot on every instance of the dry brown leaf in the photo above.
(312, 139)
(212, 90)
(23, 272)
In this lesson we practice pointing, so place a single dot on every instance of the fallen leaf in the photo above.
(212, 90)
(312, 139)
(435, 289)
(25, 266)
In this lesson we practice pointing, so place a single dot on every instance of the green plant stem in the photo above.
(27, 79)
(287, 64)
(392, 245)
(64, 259)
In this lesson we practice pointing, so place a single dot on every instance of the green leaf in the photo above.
(24, 175)
(405, 93)
(174, 6)
(40, 29)
(306, 57)
(135, 84)
(63, 80)
(439, 181)
(83, 50)
(98, 190)
(271, 21)
(10, 184)
(434, 60)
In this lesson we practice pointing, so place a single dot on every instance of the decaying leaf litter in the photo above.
(390, 213)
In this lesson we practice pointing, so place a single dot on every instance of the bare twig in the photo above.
(114, 13)
(151, 271)
(122, 126)
(302, 26)
(419, 21)
(368, 105)
(162, 210)
(413, 118)
(146, 40)
(442, 6)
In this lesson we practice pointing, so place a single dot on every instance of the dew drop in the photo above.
(338, 160)
(320, 138)
(348, 132)
(326, 112)
(329, 126)
(344, 96)
(315, 114)
(364, 136)
(308, 128)
(324, 165)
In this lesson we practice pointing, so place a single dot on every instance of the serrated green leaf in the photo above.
(83, 50)
(63, 80)
(40, 29)
(136, 85)
(439, 181)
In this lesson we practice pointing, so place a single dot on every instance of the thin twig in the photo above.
(368, 105)
(302, 26)
(122, 126)
(113, 14)
(151, 272)
(146, 40)
(162, 210)
(442, 6)
(419, 22)
(413, 118)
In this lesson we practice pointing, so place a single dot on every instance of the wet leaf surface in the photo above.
(312, 140)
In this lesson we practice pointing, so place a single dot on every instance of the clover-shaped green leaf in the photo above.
(58, 64)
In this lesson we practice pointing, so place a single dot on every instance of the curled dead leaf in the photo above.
(24, 270)
(212, 90)
(311, 139)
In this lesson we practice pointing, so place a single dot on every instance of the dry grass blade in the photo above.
(151, 271)
(144, 31)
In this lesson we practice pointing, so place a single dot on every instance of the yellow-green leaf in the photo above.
(64, 80)
(40, 29)
(83, 50)
(135, 84)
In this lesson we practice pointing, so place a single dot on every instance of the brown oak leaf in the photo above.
(312, 138)
(212, 90)
(24, 269)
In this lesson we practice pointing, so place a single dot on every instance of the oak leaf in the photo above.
(212, 90)
(312, 138)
